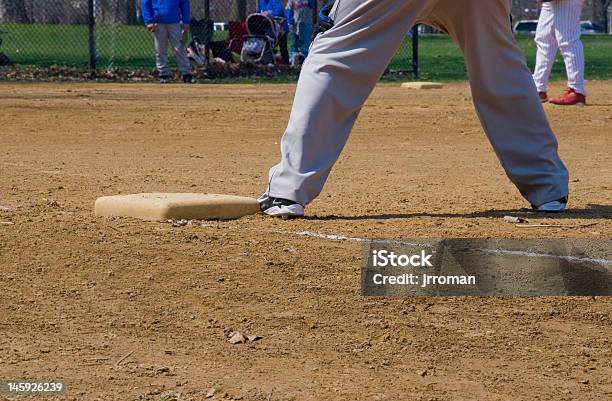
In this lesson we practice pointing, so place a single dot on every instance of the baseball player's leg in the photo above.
(175, 33)
(505, 97)
(340, 72)
(567, 30)
(160, 36)
(546, 43)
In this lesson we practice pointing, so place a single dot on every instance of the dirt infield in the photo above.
(125, 310)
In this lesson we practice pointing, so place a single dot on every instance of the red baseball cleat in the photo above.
(570, 98)
(543, 97)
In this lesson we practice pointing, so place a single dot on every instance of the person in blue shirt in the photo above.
(168, 21)
(300, 20)
(274, 8)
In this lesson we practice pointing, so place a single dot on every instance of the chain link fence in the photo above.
(110, 35)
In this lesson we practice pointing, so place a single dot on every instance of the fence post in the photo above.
(207, 10)
(209, 35)
(415, 51)
(92, 37)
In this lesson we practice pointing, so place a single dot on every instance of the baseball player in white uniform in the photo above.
(559, 29)
(346, 61)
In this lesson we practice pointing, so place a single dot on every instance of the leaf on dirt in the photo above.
(211, 392)
(423, 373)
(237, 338)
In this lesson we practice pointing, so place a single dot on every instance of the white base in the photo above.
(165, 206)
(422, 85)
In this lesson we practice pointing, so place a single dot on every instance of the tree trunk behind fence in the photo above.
(239, 11)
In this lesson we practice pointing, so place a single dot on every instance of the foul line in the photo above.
(357, 239)
(335, 237)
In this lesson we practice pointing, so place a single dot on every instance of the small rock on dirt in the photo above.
(514, 219)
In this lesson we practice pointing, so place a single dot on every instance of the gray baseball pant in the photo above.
(174, 34)
(345, 63)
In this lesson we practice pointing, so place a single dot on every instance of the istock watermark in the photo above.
(384, 258)
(487, 267)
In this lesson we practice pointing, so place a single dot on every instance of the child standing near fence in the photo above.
(168, 21)
(300, 19)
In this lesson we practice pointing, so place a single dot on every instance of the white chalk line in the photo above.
(568, 258)
(357, 239)
(575, 259)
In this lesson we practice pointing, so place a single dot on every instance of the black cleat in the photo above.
(279, 207)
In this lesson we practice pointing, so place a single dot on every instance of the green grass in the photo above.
(441, 60)
(67, 45)
(132, 47)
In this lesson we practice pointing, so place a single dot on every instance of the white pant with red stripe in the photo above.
(559, 28)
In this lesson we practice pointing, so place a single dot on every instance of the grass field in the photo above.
(131, 46)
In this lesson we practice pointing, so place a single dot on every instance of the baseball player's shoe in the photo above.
(164, 79)
(557, 206)
(570, 98)
(543, 97)
(279, 207)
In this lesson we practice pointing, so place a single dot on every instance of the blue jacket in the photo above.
(273, 8)
(165, 11)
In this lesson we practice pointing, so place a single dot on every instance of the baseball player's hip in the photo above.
(460, 9)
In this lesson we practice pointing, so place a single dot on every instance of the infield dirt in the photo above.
(79, 293)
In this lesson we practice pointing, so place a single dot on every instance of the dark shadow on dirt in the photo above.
(592, 211)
